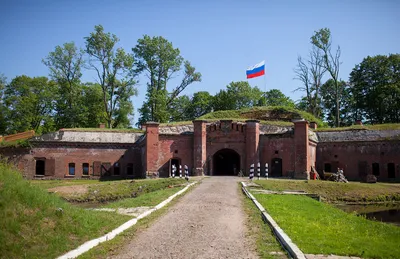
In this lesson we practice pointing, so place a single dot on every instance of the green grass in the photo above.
(280, 115)
(319, 228)
(334, 192)
(23, 143)
(387, 126)
(47, 184)
(149, 199)
(260, 232)
(32, 227)
(176, 123)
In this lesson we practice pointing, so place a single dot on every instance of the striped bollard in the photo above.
(266, 170)
(186, 173)
(251, 174)
(258, 170)
(173, 171)
(180, 171)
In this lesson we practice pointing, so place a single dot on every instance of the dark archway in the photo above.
(276, 167)
(40, 167)
(177, 163)
(226, 162)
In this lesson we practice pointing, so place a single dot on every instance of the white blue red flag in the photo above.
(256, 70)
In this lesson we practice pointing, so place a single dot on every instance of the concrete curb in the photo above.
(94, 242)
(284, 239)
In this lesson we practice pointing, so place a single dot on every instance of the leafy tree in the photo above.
(114, 70)
(275, 97)
(201, 103)
(3, 124)
(160, 61)
(346, 103)
(30, 104)
(65, 64)
(237, 95)
(331, 62)
(310, 73)
(376, 88)
(179, 109)
(92, 108)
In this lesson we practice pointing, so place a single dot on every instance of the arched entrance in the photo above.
(276, 167)
(177, 163)
(226, 162)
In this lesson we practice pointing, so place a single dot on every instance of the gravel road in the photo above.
(208, 222)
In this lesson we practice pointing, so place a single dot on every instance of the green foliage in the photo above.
(318, 228)
(114, 69)
(36, 224)
(157, 57)
(65, 64)
(376, 88)
(238, 95)
(29, 103)
(3, 124)
(275, 97)
(265, 115)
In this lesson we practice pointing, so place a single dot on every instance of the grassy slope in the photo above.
(277, 115)
(388, 126)
(318, 228)
(332, 191)
(31, 226)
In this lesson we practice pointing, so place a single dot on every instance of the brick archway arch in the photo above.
(226, 161)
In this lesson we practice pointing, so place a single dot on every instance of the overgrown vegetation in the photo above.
(267, 114)
(132, 130)
(334, 192)
(36, 224)
(117, 190)
(24, 143)
(387, 126)
(319, 228)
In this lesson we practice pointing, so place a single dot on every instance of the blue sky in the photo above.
(220, 38)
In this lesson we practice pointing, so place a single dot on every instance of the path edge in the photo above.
(293, 250)
(112, 234)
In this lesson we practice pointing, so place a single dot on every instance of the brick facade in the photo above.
(210, 148)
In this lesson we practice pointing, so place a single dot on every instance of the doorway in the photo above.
(176, 162)
(276, 167)
(226, 162)
(40, 165)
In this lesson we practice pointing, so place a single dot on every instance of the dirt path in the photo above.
(208, 222)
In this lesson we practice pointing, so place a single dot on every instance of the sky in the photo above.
(220, 38)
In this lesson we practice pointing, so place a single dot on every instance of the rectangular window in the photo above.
(129, 169)
(85, 169)
(116, 169)
(375, 169)
(391, 170)
(71, 168)
(327, 167)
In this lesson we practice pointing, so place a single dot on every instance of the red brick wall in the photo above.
(301, 157)
(252, 142)
(199, 147)
(175, 146)
(277, 147)
(348, 155)
(151, 154)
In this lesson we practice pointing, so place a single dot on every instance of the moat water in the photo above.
(389, 213)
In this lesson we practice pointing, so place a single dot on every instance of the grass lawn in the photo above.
(33, 226)
(334, 192)
(319, 228)
(261, 233)
(148, 199)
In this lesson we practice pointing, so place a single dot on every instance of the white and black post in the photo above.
(186, 173)
(173, 171)
(180, 171)
(266, 170)
(258, 170)
(251, 174)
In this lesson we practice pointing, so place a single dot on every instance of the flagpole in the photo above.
(265, 86)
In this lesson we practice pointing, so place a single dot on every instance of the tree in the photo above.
(237, 95)
(29, 103)
(275, 97)
(3, 124)
(179, 109)
(346, 103)
(65, 64)
(331, 62)
(310, 73)
(92, 108)
(115, 74)
(376, 88)
(200, 104)
(160, 61)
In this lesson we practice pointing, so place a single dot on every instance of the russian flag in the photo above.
(256, 70)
